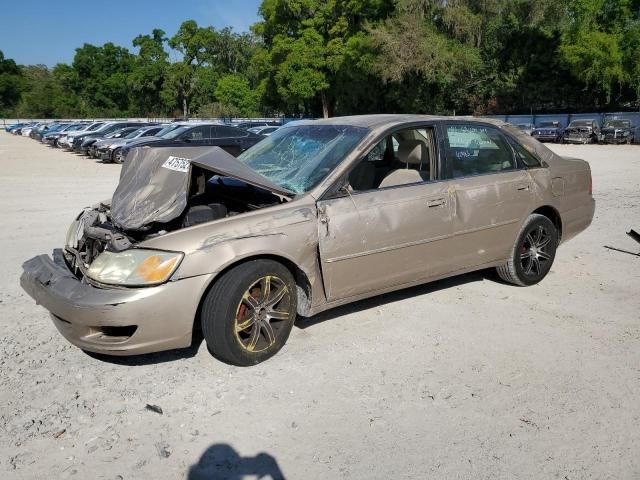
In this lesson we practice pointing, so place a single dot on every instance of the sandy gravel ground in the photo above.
(462, 379)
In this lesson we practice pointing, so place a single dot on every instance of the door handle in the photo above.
(522, 187)
(440, 202)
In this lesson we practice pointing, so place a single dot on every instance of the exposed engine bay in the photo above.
(160, 192)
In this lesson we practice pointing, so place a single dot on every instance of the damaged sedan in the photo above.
(321, 213)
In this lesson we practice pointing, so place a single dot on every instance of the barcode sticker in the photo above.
(178, 164)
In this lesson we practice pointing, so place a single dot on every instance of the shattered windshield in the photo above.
(299, 157)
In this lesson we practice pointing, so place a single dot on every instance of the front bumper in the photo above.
(104, 154)
(576, 139)
(114, 321)
(546, 138)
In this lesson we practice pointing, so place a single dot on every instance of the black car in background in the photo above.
(232, 139)
(618, 131)
(550, 131)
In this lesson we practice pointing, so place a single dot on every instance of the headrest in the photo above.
(412, 152)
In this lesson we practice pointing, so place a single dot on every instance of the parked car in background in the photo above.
(100, 132)
(527, 128)
(320, 214)
(17, 130)
(39, 132)
(26, 130)
(106, 147)
(13, 126)
(582, 131)
(233, 140)
(618, 131)
(266, 131)
(120, 152)
(548, 132)
(67, 140)
(51, 137)
(89, 144)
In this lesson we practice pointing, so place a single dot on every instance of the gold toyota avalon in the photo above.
(319, 214)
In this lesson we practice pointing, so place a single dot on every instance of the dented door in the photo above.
(378, 239)
(488, 211)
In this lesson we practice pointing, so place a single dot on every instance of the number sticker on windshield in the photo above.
(178, 164)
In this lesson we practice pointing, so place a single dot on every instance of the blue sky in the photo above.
(48, 32)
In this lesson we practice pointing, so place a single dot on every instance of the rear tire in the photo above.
(532, 255)
(249, 312)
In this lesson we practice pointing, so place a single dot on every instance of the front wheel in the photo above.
(117, 156)
(533, 253)
(249, 312)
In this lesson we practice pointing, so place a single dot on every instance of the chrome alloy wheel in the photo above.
(262, 311)
(534, 252)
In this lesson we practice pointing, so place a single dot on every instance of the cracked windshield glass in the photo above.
(299, 157)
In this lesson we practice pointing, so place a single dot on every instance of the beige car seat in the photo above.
(410, 152)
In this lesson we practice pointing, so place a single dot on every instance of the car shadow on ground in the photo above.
(307, 322)
(398, 295)
(221, 461)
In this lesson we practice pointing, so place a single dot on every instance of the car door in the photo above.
(376, 237)
(490, 194)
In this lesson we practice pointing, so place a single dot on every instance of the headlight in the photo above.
(134, 267)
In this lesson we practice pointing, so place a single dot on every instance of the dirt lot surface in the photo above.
(467, 378)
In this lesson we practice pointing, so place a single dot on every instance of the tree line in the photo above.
(335, 57)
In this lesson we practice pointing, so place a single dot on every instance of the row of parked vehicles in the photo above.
(111, 141)
(614, 131)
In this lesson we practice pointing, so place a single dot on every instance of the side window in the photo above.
(402, 158)
(198, 133)
(525, 156)
(476, 150)
(151, 132)
(229, 132)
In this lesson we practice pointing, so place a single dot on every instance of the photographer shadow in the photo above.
(221, 462)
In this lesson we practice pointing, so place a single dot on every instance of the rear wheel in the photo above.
(533, 253)
(249, 312)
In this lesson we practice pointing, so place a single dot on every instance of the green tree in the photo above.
(235, 94)
(11, 85)
(308, 42)
(102, 74)
(148, 72)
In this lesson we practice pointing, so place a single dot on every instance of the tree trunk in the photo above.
(325, 104)
(185, 110)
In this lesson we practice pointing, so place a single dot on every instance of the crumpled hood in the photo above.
(155, 182)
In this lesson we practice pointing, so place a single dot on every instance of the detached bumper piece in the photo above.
(114, 321)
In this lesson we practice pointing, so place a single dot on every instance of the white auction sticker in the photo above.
(178, 164)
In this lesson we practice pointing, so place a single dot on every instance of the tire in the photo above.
(236, 300)
(532, 255)
(116, 156)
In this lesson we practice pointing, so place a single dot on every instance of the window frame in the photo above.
(509, 139)
(336, 189)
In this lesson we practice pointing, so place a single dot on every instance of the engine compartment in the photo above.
(211, 197)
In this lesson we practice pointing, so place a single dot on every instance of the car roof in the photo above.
(387, 120)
